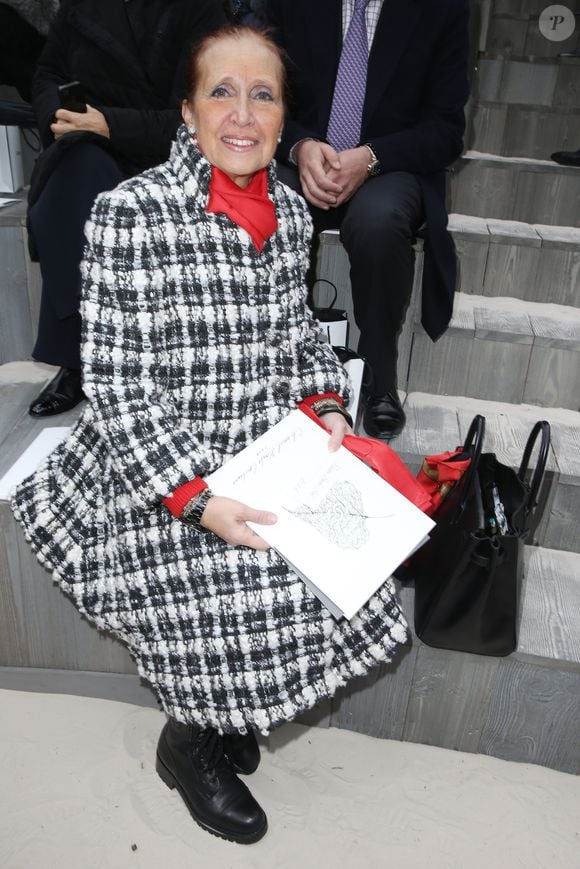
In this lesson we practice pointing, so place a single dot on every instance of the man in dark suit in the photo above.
(378, 176)
(131, 58)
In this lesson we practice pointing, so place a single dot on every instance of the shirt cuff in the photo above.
(183, 494)
(292, 152)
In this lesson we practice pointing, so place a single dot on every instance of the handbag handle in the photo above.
(330, 284)
(473, 445)
(541, 427)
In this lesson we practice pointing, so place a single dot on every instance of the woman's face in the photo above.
(237, 109)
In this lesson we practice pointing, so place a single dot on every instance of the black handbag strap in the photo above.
(472, 446)
(454, 506)
(330, 284)
(541, 428)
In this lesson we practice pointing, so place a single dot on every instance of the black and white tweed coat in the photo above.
(194, 345)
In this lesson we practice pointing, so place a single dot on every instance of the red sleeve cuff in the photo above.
(179, 498)
(312, 398)
(306, 406)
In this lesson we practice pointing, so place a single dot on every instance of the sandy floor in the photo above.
(80, 791)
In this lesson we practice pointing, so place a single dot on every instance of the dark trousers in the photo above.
(377, 228)
(57, 221)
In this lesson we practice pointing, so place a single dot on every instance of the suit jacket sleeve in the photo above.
(51, 72)
(152, 447)
(436, 139)
(293, 131)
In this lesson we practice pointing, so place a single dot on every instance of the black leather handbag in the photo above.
(468, 575)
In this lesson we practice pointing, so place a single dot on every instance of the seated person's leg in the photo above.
(57, 220)
(378, 232)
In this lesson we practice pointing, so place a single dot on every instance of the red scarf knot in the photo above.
(249, 207)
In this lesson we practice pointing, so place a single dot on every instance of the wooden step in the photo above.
(521, 130)
(531, 347)
(434, 423)
(510, 29)
(19, 284)
(536, 262)
(438, 422)
(516, 188)
(502, 349)
(522, 707)
(528, 80)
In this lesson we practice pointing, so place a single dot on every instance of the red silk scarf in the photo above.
(249, 207)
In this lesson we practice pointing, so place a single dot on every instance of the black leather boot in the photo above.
(62, 393)
(242, 751)
(193, 761)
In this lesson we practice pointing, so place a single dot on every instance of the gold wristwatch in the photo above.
(374, 167)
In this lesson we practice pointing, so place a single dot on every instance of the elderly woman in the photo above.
(197, 340)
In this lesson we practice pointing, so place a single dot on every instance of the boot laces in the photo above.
(209, 748)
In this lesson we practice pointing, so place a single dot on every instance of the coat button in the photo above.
(282, 388)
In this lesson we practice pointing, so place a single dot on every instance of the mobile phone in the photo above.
(72, 96)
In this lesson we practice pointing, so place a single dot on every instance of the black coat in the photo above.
(91, 41)
(417, 86)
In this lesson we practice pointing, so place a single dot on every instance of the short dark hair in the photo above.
(233, 31)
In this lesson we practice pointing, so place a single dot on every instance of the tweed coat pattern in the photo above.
(194, 344)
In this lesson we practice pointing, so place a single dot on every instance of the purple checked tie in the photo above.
(349, 90)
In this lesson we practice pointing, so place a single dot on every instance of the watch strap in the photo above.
(374, 166)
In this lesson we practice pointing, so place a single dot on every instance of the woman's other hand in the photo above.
(338, 428)
(227, 518)
(91, 121)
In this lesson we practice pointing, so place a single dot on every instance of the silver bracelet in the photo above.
(322, 403)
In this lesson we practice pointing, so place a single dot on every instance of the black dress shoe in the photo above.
(242, 751)
(384, 416)
(62, 393)
(193, 761)
(567, 158)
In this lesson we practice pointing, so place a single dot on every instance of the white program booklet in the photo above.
(340, 526)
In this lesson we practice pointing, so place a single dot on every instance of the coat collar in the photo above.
(193, 171)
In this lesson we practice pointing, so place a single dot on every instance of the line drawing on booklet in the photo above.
(339, 516)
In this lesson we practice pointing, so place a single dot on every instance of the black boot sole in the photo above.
(172, 783)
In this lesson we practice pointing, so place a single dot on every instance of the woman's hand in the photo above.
(92, 121)
(338, 428)
(227, 518)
